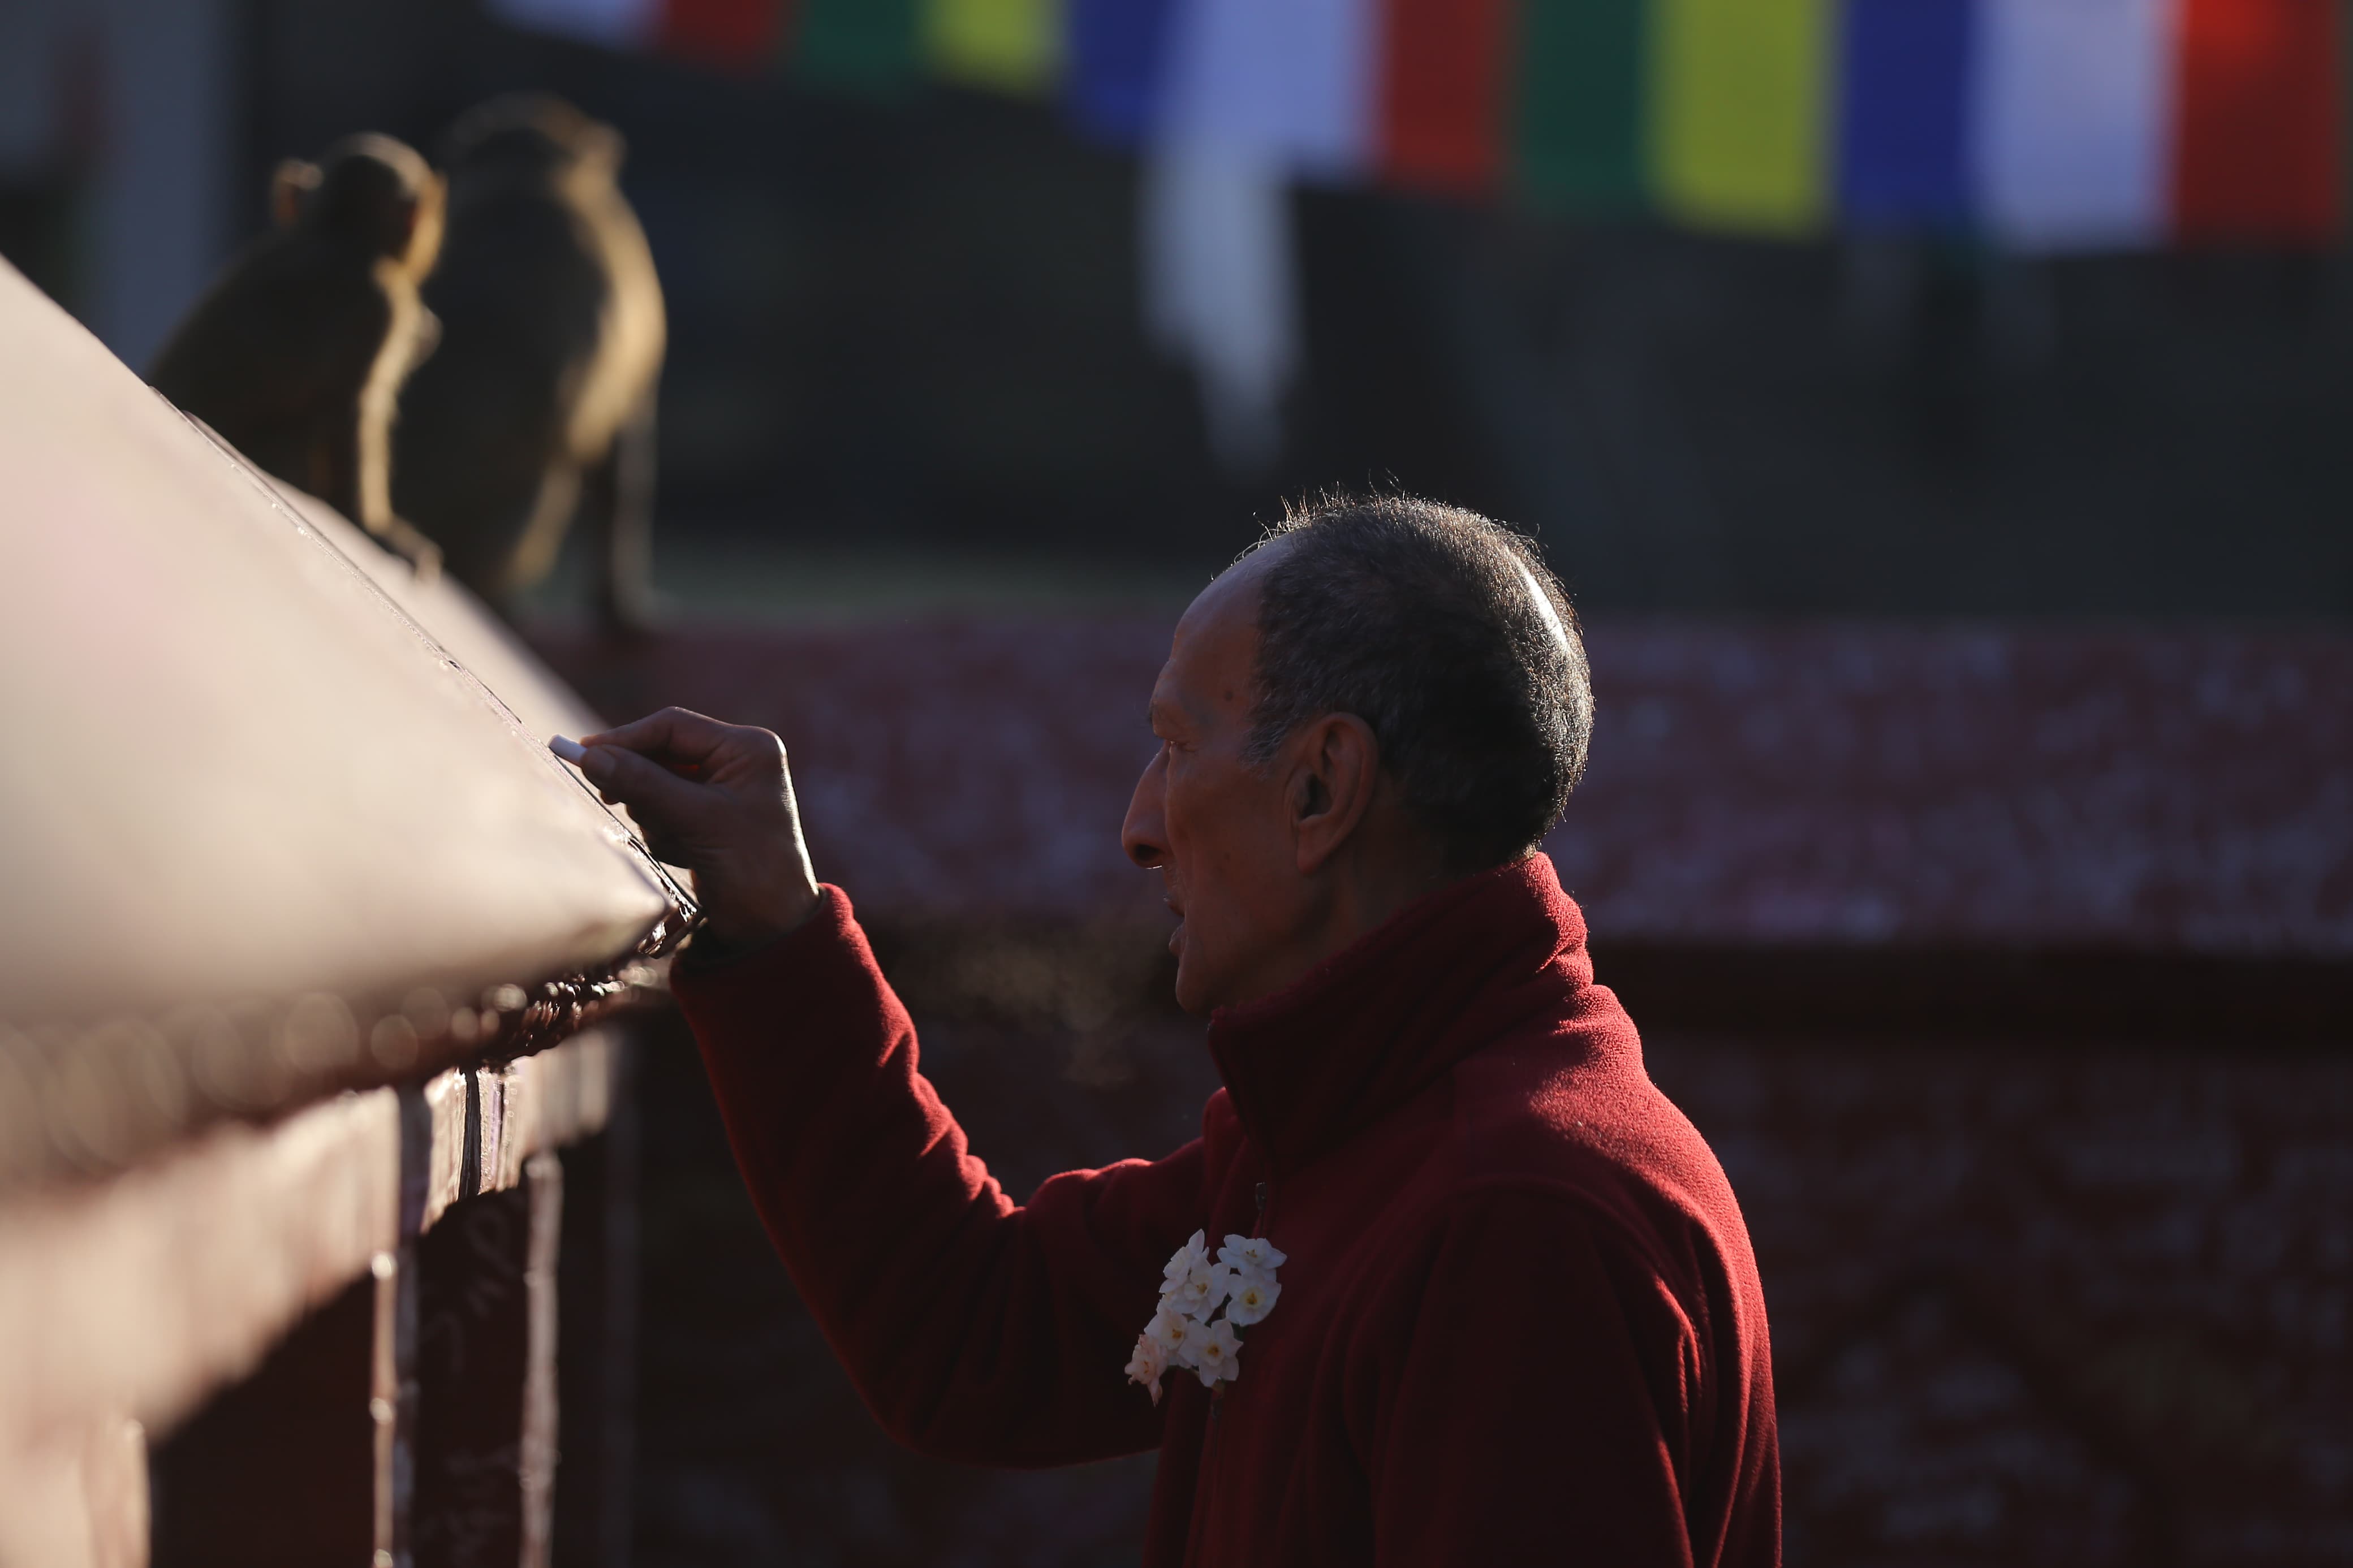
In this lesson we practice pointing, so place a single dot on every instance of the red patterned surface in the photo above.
(2189, 791)
(2067, 1305)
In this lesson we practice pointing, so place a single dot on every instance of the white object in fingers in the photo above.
(570, 751)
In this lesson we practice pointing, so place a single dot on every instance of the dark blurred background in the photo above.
(1971, 821)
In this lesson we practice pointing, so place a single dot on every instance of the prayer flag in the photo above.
(2257, 155)
(1577, 110)
(1219, 291)
(1257, 91)
(1013, 45)
(1442, 72)
(1116, 53)
(1288, 82)
(1904, 111)
(617, 24)
(2345, 118)
(1740, 116)
(739, 35)
(864, 46)
(2072, 107)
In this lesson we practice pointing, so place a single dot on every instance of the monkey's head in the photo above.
(532, 134)
(370, 190)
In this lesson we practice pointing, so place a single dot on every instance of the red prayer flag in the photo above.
(738, 34)
(2259, 90)
(1443, 79)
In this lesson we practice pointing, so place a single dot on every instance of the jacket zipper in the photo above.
(1264, 1194)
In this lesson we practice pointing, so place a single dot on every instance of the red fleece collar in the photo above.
(1313, 1064)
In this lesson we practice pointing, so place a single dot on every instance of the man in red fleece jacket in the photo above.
(1444, 1279)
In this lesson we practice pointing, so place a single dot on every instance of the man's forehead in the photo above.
(1210, 658)
(1230, 603)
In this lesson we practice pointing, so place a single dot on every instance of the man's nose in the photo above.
(1144, 836)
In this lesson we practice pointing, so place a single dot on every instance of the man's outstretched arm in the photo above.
(975, 1328)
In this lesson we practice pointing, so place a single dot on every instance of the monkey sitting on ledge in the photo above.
(539, 405)
(297, 353)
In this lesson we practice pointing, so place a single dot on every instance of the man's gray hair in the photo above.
(1444, 632)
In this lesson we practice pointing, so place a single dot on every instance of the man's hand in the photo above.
(716, 799)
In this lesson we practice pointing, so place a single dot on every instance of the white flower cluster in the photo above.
(1188, 1331)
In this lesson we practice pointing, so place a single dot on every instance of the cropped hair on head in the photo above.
(1445, 632)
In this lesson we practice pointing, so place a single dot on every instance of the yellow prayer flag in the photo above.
(1012, 45)
(1741, 112)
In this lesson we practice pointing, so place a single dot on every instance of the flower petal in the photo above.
(1146, 1365)
(1252, 1299)
(1216, 1353)
(1169, 1328)
(1250, 1254)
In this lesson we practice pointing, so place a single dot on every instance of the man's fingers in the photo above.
(660, 799)
(668, 851)
(675, 732)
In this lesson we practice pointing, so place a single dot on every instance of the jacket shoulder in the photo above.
(1570, 1111)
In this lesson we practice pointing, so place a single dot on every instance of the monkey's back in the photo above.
(635, 325)
(544, 352)
(279, 348)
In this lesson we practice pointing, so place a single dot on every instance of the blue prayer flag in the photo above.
(1903, 135)
(1117, 47)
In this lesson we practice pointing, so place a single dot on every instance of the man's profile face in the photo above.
(1215, 827)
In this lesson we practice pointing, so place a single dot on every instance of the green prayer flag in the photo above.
(862, 45)
(1578, 121)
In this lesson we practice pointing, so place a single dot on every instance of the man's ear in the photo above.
(1334, 764)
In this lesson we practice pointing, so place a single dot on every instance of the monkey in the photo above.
(538, 407)
(296, 353)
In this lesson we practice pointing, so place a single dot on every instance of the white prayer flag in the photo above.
(1289, 82)
(1218, 289)
(2074, 116)
(1256, 92)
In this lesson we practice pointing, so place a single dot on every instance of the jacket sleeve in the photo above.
(975, 1328)
(1529, 1405)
